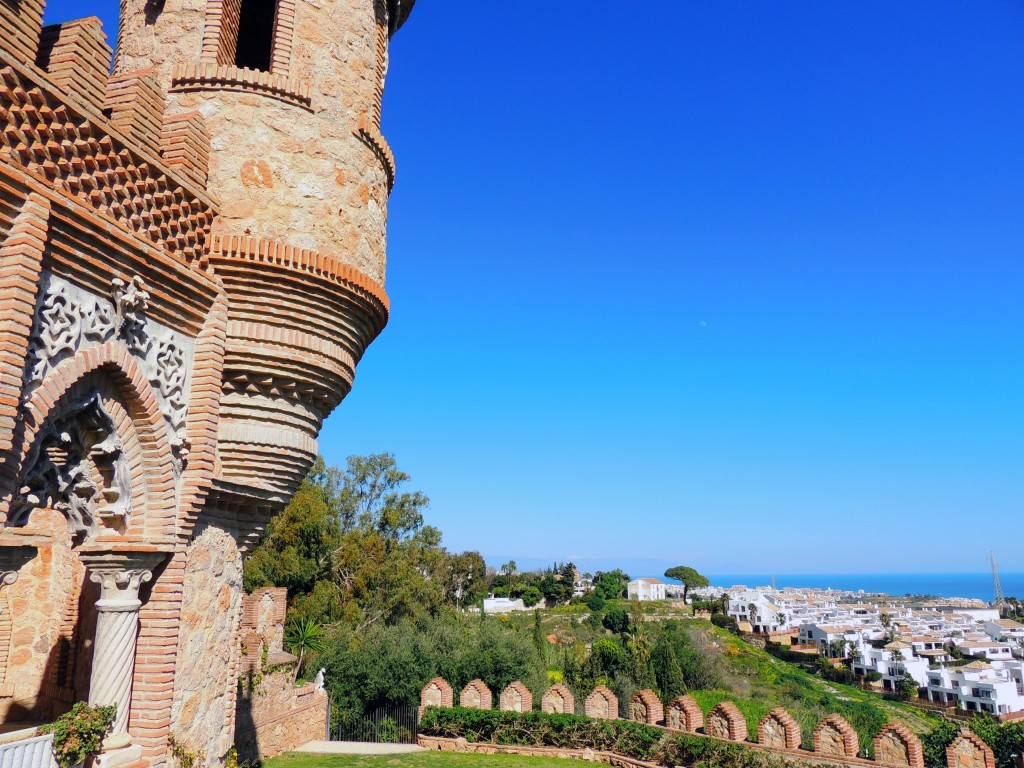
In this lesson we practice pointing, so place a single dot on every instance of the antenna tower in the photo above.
(1000, 600)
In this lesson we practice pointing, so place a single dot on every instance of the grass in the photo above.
(413, 760)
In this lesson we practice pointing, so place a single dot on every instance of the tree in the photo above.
(616, 620)
(690, 578)
(611, 585)
(906, 687)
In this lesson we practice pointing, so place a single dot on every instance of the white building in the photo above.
(646, 589)
(494, 604)
(979, 687)
(1007, 631)
(893, 662)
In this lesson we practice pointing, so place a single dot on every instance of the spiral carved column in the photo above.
(117, 627)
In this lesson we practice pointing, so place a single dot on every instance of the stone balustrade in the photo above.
(835, 740)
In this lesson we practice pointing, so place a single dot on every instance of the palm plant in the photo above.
(304, 635)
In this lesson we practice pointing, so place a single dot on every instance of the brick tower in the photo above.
(193, 248)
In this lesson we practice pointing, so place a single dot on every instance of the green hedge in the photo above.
(623, 737)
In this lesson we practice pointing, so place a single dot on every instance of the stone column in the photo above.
(117, 627)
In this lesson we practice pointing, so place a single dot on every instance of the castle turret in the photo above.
(290, 94)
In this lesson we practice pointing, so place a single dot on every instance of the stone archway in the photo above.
(778, 730)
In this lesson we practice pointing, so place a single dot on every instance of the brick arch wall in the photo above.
(645, 707)
(437, 693)
(476, 695)
(834, 736)
(896, 744)
(516, 698)
(602, 704)
(683, 713)
(968, 751)
(726, 722)
(558, 699)
(112, 364)
(779, 730)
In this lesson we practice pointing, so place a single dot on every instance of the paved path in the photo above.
(357, 748)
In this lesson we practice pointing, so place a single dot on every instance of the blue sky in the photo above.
(732, 284)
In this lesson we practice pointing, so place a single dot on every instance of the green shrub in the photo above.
(536, 729)
(78, 734)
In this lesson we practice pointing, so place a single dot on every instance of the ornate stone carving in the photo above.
(131, 300)
(70, 319)
(77, 466)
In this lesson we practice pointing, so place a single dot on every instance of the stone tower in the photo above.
(192, 250)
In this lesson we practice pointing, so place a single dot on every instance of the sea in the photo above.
(976, 585)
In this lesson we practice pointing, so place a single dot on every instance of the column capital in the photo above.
(120, 574)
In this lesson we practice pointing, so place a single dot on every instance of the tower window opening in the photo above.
(255, 34)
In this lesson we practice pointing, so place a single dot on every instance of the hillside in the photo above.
(752, 678)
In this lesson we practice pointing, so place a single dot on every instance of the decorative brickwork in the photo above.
(76, 56)
(437, 693)
(476, 695)
(779, 730)
(645, 707)
(836, 737)
(968, 751)
(896, 744)
(136, 105)
(516, 698)
(683, 713)
(602, 704)
(20, 23)
(558, 699)
(725, 721)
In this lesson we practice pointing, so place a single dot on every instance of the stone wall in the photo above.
(204, 695)
(275, 716)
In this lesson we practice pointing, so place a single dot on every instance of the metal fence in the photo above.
(387, 725)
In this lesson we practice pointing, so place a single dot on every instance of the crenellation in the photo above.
(76, 56)
(135, 103)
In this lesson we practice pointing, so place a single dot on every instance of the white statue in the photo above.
(319, 681)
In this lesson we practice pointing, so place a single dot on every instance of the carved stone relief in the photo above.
(77, 466)
(70, 319)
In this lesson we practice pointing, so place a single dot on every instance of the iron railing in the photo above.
(387, 725)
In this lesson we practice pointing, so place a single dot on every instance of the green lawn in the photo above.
(415, 760)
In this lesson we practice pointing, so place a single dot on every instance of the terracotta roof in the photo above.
(977, 665)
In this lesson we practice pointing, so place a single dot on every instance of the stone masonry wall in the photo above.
(212, 601)
(275, 717)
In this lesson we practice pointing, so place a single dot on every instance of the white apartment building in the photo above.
(646, 589)
(894, 662)
(759, 612)
(832, 641)
(1007, 631)
(979, 687)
